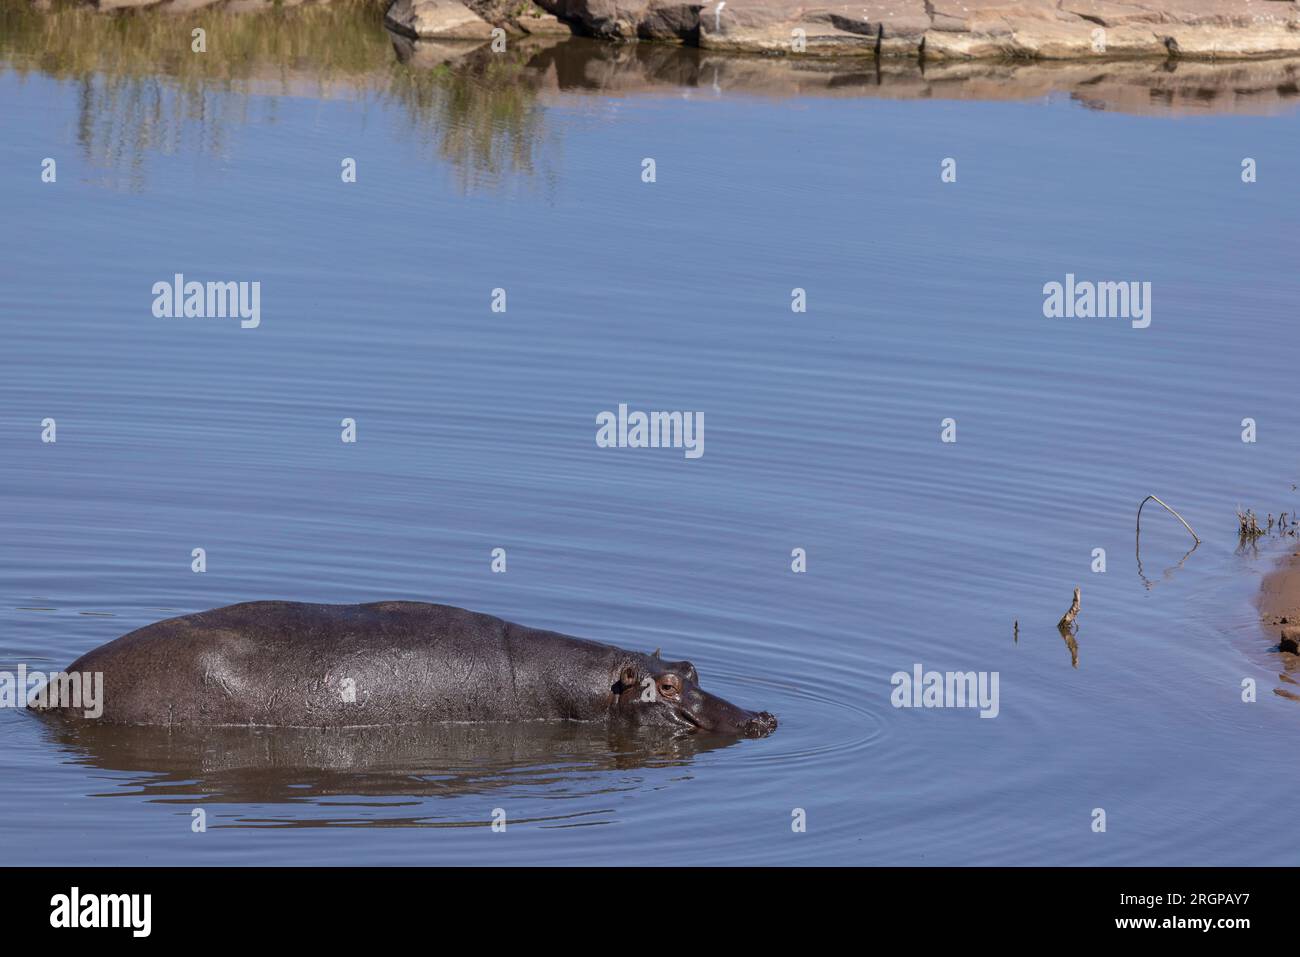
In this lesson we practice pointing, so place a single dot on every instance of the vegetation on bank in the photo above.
(343, 38)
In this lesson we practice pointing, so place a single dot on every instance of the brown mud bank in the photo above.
(919, 29)
(1279, 603)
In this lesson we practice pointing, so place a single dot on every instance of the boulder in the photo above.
(629, 19)
(1290, 639)
(437, 19)
(539, 23)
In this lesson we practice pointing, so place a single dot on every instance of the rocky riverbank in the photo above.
(341, 50)
(933, 29)
(925, 29)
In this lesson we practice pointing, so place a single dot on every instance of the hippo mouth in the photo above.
(757, 725)
(687, 719)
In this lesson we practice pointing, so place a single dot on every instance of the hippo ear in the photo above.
(655, 654)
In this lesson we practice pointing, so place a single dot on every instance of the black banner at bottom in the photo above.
(366, 905)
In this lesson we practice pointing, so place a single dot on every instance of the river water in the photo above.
(476, 430)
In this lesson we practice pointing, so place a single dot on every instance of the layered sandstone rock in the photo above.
(955, 29)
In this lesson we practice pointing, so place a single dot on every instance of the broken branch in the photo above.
(1152, 498)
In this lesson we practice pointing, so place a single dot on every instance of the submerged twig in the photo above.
(1150, 498)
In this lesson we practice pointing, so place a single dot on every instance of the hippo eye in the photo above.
(670, 686)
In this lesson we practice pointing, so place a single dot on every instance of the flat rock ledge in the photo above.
(954, 29)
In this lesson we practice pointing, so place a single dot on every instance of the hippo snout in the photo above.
(761, 725)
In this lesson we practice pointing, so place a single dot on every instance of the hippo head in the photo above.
(666, 694)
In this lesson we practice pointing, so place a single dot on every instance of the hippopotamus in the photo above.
(290, 664)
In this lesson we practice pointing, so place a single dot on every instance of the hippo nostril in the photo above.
(763, 723)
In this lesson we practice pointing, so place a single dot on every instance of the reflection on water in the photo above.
(475, 109)
(394, 767)
(1168, 573)
(1070, 635)
(143, 91)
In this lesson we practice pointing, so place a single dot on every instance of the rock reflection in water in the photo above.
(141, 92)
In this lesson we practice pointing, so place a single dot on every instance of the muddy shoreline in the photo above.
(1279, 603)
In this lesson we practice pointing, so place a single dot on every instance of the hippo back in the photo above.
(309, 665)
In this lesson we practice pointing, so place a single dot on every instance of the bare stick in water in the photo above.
(1152, 498)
